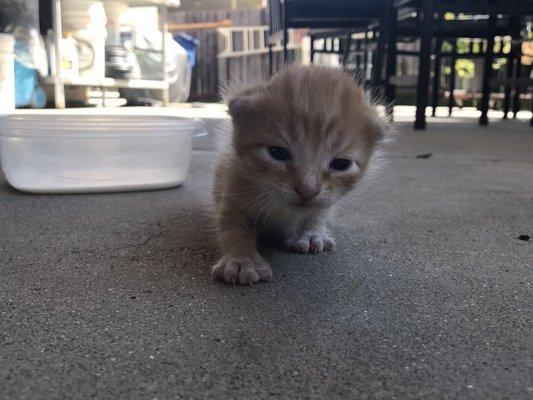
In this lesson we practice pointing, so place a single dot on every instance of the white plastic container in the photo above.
(70, 153)
(7, 73)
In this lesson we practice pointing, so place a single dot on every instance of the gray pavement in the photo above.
(428, 295)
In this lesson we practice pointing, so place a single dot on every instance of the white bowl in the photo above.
(95, 153)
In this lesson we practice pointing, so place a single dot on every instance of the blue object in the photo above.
(38, 98)
(27, 93)
(189, 44)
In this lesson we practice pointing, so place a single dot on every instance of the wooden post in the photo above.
(59, 88)
(163, 12)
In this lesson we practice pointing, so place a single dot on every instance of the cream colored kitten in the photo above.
(300, 142)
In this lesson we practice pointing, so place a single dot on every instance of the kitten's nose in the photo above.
(306, 192)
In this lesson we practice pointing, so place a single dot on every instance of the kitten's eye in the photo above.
(340, 164)
(279, 153)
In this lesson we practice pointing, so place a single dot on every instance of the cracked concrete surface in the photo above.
(428, 294)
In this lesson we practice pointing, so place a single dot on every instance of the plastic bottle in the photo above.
(7, 74)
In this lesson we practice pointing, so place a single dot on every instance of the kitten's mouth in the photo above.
(307, 204)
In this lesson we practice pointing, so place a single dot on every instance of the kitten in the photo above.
(300, 142)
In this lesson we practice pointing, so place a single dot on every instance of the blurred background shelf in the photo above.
(58, 82)
(111, 83)
(146, 3)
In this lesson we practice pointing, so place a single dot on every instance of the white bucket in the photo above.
(91, 51)
(69, 57)
(114, 10)
(86, 21)
(7, 73)
(78, 15)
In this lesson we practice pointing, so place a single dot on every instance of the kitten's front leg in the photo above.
(312, 237)
(240, 261)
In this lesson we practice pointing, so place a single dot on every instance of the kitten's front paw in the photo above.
(311, 242)
(241, 270)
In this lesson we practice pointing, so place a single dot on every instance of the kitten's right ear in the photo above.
(239, 107)
(244, 102)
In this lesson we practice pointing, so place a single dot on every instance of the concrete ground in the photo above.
(428, 295)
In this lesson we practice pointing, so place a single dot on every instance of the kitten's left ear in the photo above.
(381, 129)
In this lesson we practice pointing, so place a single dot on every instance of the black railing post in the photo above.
(365, 56)
(285, 30)
(516, 97)
(487, 71)
(377, 67)
(508, 75)
(358, 56)
(531, 107)
(312, 56)
(285, 41)
(346, 48)
(436, 77)
(451, 97)
(426, 38)
(270, 60)
(390, 89)
(515, 49)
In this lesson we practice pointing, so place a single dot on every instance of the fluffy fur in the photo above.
(315, 115)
